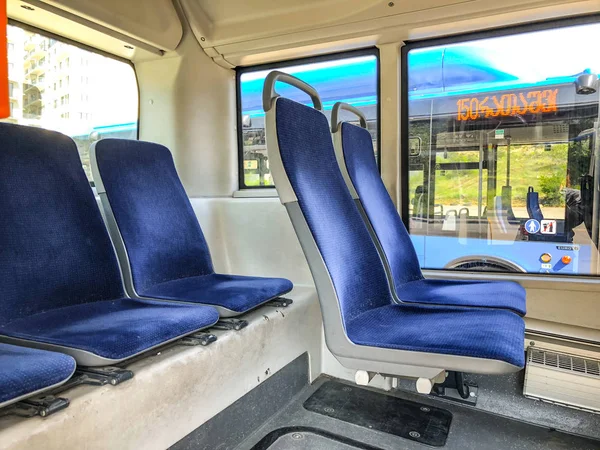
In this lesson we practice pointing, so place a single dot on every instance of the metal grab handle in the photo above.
(269, 92)
(335, 125)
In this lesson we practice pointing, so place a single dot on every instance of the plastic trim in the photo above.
(336, 124)
(282, 182)
(269, 92)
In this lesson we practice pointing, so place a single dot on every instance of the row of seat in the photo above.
(63, 290)
(380, 314)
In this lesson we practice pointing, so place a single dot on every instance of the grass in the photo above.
(545, 171)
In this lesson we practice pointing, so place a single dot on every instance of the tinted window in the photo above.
(503, 152)
(62, 87)
(350, 79)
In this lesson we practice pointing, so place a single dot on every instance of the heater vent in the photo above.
(561, 378)
(564, 362)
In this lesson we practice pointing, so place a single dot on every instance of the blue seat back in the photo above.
(334, 220)
(54, 248)
(378, 205)
(533, 205)
(159, 228)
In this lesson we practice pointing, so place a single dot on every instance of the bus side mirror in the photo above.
(586, 84)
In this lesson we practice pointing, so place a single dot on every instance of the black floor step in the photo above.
(392, 415)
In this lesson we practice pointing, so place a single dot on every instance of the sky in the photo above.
(539, 55)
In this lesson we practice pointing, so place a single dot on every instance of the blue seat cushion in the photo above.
(113, 329)
(234, 292)
(487, 294)
(477, 333)
(25, 371)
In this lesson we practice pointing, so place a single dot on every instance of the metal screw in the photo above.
(329, 410)
(202, 39)
(390, 4)
(425, 409)
(414, 434)
(297, 436)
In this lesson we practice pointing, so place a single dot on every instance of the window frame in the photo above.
(240, 70)
(511, 30)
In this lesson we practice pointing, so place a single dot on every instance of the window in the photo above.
(502, 157)
(111, 98)
(356, 70)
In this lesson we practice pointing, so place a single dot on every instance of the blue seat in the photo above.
(160, 242)
(61, 285)
(26, 372)
(395, 245)
(364, 327)
(533, 205)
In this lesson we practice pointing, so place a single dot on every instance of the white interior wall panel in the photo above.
(153, 21)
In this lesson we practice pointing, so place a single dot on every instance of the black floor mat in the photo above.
(306, 438)
(381, 412)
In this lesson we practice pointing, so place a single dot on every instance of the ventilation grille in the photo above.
(568, 363)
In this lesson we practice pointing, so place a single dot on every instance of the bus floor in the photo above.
(285, 412)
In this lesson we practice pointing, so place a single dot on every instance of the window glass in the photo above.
(504, 158)
(352, 79)
(62, 87)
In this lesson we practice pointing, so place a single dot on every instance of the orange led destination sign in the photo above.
(511, 104)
